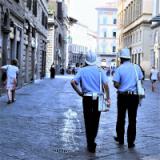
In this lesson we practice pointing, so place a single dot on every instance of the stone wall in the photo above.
(24, 36)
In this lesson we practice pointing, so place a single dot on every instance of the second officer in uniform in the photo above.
(127, 98)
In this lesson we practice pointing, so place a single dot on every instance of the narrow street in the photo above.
(46, 123)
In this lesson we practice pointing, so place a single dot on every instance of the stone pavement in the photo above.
(46, 123)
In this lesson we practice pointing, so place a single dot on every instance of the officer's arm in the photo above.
(2, 68)
(75, 87)
(116, 84)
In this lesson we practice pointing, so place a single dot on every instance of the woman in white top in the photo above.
(12, 71)
(154, 77)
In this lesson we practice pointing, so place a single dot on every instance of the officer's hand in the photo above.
(81, 94)
(108, 102)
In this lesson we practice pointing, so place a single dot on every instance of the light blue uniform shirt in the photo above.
(125, 75)
(89, 79)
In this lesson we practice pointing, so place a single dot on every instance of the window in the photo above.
(33, 32)
(140, 35)
(29, 4)
(133, 39)
(104, 20)
(46, 22)
(157, 7)
(103, 33)
(59, 10)
(60, 39)
(113, 49)
(43, 18)
(114, 34)
(136, 37)
(6, 18)
(104, 47)
(114, 21)
(35, 7)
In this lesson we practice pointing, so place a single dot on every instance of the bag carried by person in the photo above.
(102, 104)
(4, 76)
(140, 88)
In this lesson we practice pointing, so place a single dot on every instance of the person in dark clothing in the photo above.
(143, 72)
(61, 70)
(52, 71)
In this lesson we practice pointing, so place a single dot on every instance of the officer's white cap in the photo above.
(125, 53)
(91, 58)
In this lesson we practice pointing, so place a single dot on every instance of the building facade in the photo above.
(35, 40)
(135, 31)
(81, 40)
(57, 36)
(107, 33)
(11, 32)
(23, 35)
(50, 43)
(155, 26)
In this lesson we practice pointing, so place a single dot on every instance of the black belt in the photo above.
(127, 93)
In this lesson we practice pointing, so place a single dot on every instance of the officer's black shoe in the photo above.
(131, 145)
(92, 148)
(13, 100)
(9, 102)
(118, 141)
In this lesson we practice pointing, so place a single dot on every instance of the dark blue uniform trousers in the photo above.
(91, 119)
(127, 102)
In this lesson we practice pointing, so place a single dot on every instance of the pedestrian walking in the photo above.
(154, 77)
(81, 65)
(127, 98)
(12, 71)
(89, 79)
(143, 72)
(61, 70)
(52, 71)
(77, 68)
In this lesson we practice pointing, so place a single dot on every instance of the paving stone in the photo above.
(46, 123)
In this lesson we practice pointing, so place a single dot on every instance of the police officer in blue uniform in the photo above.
(127, 98)
(89, 79)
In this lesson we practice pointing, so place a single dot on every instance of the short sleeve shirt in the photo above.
(125, 75)
(89, 79)
(154, 74)
(11, 70)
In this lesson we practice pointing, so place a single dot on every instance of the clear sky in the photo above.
(84, 11)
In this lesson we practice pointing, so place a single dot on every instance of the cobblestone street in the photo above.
(46, 123)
